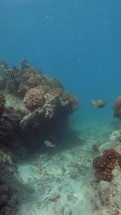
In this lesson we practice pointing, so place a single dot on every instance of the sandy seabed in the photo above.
(61, 183)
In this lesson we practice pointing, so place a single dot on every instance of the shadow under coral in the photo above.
(13, 191)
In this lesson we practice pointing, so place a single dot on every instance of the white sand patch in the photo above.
(25, 171)
(62, 182)
(60, 188)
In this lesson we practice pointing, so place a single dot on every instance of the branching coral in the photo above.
(117, 107)
(104, 165)
(50, 106)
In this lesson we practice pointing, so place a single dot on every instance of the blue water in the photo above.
(76, 41)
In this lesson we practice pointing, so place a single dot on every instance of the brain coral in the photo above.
(104, 165)
(34, 97)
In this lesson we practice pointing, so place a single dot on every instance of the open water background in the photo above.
(76, 41)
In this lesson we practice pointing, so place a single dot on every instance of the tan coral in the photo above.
(54, 83)
(56, 91)
(69, 101)
(34, 98)
(30, 78)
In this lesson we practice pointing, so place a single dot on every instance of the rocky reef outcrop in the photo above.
(37, 107)
(107, 180)
(105, 165)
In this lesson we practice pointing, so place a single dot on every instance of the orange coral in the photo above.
(104, 165)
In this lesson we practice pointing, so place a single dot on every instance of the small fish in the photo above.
(49, 144)
(99, 103)
(8, 74)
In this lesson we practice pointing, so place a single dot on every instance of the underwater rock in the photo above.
(110, 194)
(36, 105)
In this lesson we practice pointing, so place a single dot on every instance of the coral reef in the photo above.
(104, 165)
(33, 108)
(7, 169)
(110, 194)
(24, 80)
(29, 78)
(9, 120)
(34, 98)
(50, 100)
(36, 105)
(117, 107)
(5, 130)
(12, 189)
(109, 191)
(69, 102)
(54, 83)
